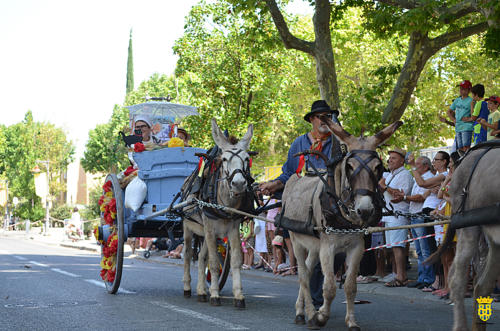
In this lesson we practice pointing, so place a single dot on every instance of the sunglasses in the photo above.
(140, 127)
(319, 115)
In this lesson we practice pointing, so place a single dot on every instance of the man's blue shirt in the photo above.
(300, 144)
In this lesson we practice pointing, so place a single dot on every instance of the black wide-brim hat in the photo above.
(320, 106)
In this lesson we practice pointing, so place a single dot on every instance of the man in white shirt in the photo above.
(426, 274)
(398, 181)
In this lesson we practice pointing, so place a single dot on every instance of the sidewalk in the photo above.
(56, 237)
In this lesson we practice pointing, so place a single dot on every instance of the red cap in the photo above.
(466, 84)
(494, 98)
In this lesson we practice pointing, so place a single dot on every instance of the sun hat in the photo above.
(143, 118)
(278, 241)
(398, 150)
(320, 106)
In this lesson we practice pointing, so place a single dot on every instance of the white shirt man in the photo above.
(399, 182)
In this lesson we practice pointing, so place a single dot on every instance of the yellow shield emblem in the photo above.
(484, 308)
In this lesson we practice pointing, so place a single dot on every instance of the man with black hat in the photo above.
(319, 138)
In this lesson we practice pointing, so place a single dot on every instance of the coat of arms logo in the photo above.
(484, 308)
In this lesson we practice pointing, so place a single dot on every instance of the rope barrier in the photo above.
(15, 224)
(402, 242)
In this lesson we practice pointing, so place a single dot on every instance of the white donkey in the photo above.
(302, 193)
(232, 191)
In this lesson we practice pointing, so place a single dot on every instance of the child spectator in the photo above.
(460, 108)
(479, 109)
(492, 124)
(247, 242)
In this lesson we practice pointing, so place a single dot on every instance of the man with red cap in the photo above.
(459, 110)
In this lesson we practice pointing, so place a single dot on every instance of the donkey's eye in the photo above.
(224, 159)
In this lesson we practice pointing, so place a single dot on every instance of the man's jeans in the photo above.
(426, 273)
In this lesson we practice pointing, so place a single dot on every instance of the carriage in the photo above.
(163, 172)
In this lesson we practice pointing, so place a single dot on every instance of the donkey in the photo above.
(232, 191)
(482, 184)
(358, 173)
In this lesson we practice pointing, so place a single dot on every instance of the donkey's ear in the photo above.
(244, 143)
(219, 138)
(338, 130)
(384, 134)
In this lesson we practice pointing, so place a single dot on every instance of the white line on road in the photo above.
(64, 272)
(101, 284)
(195, 314)
(20, 257)
(4, 252)
(39, 264)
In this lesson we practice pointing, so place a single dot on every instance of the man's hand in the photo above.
(397, 196)
(268, 188)
(411, 159)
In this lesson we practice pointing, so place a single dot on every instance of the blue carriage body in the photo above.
(163, 171)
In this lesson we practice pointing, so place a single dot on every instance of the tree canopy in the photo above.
(24, 143)
(234, 65)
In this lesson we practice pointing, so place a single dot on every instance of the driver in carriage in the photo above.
(142, 126)
(320, 139)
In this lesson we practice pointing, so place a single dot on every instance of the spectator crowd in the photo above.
(420, 190)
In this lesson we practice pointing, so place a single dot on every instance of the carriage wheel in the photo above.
(224, 263)
(112, 250)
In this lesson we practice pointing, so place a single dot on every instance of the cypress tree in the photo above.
(130, 66)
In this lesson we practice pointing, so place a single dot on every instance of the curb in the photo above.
(83, 248)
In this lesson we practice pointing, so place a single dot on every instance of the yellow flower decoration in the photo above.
(175, 142)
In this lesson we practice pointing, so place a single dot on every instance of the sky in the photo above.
(66, 60)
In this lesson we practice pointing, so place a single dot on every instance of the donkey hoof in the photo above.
(354, 328)
(202, 298)
(320, 319)
(300, 319)
(239, 303)
(187, 294)
(215, 301)
(314, 324)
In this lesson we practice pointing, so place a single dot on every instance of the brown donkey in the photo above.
(301, 201)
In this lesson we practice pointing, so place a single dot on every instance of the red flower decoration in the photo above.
(107, 186)
(108, 219)
(129, 169)
(101, 200)
(111, 275)
(103, 274)
(112, 205)
(139, 147)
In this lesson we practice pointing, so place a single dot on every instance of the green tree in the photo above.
(105, 151)
(130, 67)
(431, 25)
(233, 69)
(24, 143)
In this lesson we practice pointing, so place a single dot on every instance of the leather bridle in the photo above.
(245, 171)
(347, 191)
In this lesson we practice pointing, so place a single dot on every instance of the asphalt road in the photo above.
(48, 287)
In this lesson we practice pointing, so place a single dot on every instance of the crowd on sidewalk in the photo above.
(423, 191)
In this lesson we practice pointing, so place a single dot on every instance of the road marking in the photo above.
(39, 264)
(195, 314)
(20, 257)
(101, 284)
(64, 272)
(4, 252)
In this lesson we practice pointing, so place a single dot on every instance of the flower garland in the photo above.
(107, 205)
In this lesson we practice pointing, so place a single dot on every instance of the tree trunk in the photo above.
(419, 51)
(326, 74)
